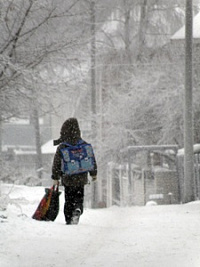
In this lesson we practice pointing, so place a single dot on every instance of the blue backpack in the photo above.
(77, 158)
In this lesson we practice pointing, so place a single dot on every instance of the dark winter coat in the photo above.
(70, 133)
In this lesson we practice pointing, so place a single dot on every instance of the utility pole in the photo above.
(188, 108)
(93, 90)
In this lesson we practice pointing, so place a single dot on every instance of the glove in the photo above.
(94, 178)
(55, 182)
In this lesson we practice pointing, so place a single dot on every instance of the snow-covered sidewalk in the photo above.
(151, 236)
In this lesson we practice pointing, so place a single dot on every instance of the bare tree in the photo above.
(133, 103)
(34, 33)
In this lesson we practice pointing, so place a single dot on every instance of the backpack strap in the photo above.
(65, 143)
(80, 142)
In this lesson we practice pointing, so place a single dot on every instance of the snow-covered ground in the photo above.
(150, 236)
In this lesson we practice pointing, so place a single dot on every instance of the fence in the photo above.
(196, 175)
(152, 173)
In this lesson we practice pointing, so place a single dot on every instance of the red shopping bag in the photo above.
(48, 207)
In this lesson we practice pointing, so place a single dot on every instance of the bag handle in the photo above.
(55, 188)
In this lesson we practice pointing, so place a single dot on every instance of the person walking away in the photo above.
(72, 177)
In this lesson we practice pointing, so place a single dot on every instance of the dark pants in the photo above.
(74, 197)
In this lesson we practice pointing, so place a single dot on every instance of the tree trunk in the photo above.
(127, 33)
(141, 31)
(39, 165)
(1, 143)
(93, 91)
